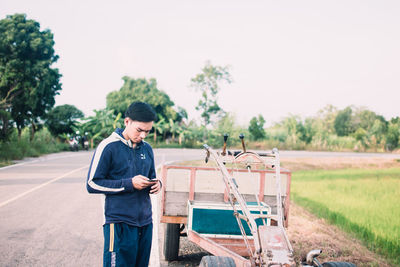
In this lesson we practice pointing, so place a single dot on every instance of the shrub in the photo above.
(18, 148)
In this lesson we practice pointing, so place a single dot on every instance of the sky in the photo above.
(285, 57)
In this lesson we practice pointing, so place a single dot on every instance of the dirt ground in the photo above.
(324, 163)
(296, 164)
(306, 231)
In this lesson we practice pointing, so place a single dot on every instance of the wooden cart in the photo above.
(191, 194)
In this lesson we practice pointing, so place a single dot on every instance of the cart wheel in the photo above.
(171, 241)
(338, 264)
(217, 261)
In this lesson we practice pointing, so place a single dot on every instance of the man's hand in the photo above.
(140, 182)
(155, 189)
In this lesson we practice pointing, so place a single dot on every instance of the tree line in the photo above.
(349, 129)
(29, 83)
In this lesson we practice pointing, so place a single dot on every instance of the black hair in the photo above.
(140, 111)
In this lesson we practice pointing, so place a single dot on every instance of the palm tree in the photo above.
(174, 128)
(102, 124)
(159, 126)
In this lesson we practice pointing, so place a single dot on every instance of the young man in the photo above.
(123, 170)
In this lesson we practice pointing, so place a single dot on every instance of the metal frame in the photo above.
(269, 246)
(262, 249)
(215, 247)
(193, 170)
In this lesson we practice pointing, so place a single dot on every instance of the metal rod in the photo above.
(256, 194)
(224, 148)
(226, 176)
(279, 196)
(241, 136)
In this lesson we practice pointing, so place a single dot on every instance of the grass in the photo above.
(362, 202)
(15, 148)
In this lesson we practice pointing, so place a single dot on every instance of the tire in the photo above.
(217, 261)
(171, 241)
(338, 264)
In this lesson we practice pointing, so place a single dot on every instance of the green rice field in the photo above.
(363, 202)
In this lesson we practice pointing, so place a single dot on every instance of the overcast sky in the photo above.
(285, 57)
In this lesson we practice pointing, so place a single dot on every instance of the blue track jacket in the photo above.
(114, 164)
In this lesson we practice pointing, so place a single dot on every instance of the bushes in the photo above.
(43, 143)
(333, 143)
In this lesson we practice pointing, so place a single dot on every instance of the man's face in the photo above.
(136, 131)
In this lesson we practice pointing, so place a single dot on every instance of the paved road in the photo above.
(46, 216)
(48, 219)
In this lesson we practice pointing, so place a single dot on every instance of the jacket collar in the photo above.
(118, 135)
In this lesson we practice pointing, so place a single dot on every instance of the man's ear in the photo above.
(126, 121)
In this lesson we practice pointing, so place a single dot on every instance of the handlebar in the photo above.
(237, 152)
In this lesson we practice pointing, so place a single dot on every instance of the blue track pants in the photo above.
(126, 245)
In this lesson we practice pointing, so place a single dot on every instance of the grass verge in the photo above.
(19, 148)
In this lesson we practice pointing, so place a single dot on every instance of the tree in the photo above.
(378, 130)
(306, 131)
(28, 84)
(323, 123)
(393, 135)
(290, 124)
(62, 119)
(6, 126)
(183, 133)
(296, 129)
(343, 122)
(365, 119)
(395, 120)
(225, 125)
(256, 127)
(102, 124)
(361, 135)
(174, 128)
(207, 82)
(146, 91)
(182, 113)
(158, 127)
